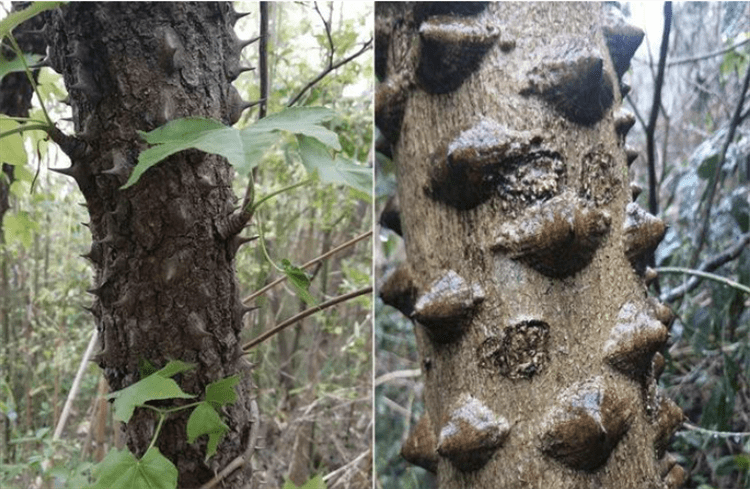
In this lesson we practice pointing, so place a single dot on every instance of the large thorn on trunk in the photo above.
(420, 447)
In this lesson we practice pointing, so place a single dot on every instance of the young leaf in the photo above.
(317, 157)
(14, 152)
(151, 388)
(15, 19)
(17, 226)
(299, 280)
(175, 367)
(121, 470)
(204, 420)
(243, 148)
(222, 392)
(17, 64)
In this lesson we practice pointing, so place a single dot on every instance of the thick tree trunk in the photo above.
(164, 284)
(524, 275)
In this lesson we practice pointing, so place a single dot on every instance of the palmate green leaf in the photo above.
(221, 392)
(317, 158)
(18, 226)
(204, 420)
(244, 148)
(13, 151)
(299, 280)
(121, 470)
(154, 387)
(17, 64)
(17, 18)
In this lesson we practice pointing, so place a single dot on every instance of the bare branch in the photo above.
(298, 317)
(708, 266)
(329, 69)
(312, 262)
(707, 55)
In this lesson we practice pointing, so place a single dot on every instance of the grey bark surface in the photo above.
(164, 285)
(525, 253)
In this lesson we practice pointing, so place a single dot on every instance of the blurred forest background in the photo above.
(313, 379)
(700, 179)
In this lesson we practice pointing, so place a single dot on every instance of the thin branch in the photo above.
(330, 68)
(701, 237)
(343, 468)
(653, 203)
(327, 26)
(708, 266)
(322, 257)
(713, 433)
(307, 312)
(707, 55)
(399, 374)
(710, 276)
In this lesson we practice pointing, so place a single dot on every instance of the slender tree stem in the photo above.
(711, 276)
(307, 312)
(322, 257)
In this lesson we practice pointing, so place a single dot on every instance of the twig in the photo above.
(327, 26)
(701, 238)
(399, 374)
(343, 468)
(713, 433)
(653, 203)
(76, 385)
(308, 264)
(329, 69)
(707, 55)
(245, 457)
(307, 312)
(708, 266)
(710, 276)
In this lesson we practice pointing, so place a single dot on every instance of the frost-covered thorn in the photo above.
(624, 121)
(447, 306)
(668, 419)
(631, 154)
(420, 448)
(390, 102)
(391, 216)
(633, 341)
(585, 425)
(557, 238)
(400, 290)
(649, 275)
(643, 233)
(622, 38)
(471, 434)
(635, 190)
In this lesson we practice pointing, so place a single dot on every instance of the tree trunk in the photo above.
(525, 273)
(162, 252)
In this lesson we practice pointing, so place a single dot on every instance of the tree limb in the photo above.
(297, 317)
(708, 266)
(653, 203)
(707, 55)
(329, 69)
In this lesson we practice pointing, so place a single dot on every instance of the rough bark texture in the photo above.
(524, 275)
(162, 252)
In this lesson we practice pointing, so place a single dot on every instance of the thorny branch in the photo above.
(714, 182)
(708, 266)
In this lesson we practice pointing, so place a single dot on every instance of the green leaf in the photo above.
(13, 152)
(17, 64)
(175, 367)
(18, 226)
(17, 18)
(707, 168)
(317, 158)
(222, 392)
(204, 420)
(242, 147)
(153, 387)
(316, 482)
(121, 470)
(299, 280)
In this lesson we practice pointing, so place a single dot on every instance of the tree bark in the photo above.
(525, 269)
(164, 284)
